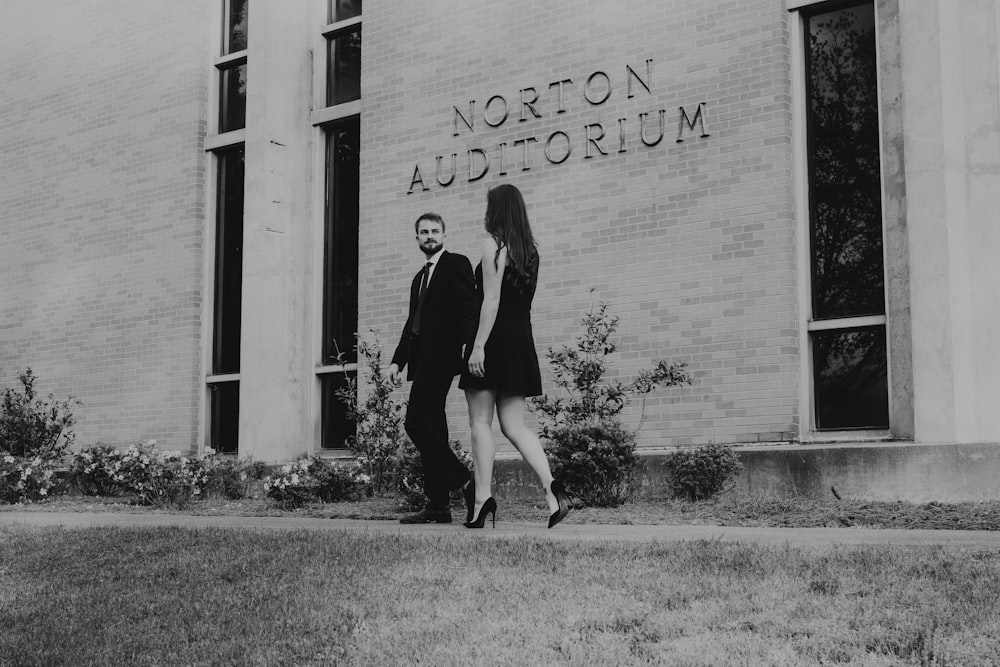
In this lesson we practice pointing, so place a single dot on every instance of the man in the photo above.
(441, 320)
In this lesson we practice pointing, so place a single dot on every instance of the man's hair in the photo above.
(433, 217)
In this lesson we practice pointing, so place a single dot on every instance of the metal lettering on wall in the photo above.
(593, 140)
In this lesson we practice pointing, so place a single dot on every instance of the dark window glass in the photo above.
(341, 10)
(851, 382)
(236, 27)
(225, 416)
(340, 284)
(337, 426)
(233, 98)
(228, 263)
(343, 81)
(844, 193)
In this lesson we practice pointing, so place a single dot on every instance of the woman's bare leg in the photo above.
(510, 408)
(482, 403)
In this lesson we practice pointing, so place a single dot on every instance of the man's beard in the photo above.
(430, 248)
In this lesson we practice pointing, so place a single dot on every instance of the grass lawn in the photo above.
(108, 596)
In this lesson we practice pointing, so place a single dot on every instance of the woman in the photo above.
(502, 364)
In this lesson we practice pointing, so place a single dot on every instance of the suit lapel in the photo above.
(438, 268)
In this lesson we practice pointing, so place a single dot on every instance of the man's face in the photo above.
(430, 236)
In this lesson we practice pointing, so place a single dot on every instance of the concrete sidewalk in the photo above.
(802, 537)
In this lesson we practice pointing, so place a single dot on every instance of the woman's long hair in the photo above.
(507, 222)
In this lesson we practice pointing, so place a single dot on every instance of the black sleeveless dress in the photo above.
(511, 361)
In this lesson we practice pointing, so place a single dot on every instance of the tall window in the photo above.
(227, 146)
(342, 129)
(847, 329)
(232, 67)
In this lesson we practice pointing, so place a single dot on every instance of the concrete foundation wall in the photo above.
(874, 471)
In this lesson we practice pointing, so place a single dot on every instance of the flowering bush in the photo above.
(228, 477)
(24, 479)
(160, 478)
(316, 479)
(92, 471)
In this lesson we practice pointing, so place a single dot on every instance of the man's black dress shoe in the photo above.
(428, 515)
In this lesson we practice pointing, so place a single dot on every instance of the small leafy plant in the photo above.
(700, 473)
(30, 426)
(590, 450)
(580, 370)
(379, 435)
(597, 460)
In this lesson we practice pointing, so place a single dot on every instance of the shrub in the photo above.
(25, 479)
(590, 450)
(230, 478)
(702, 472)
(92, 471)
(409, 473)
(152, 477)
(161, 478)
(379, 436)
(313, 479)
(30, 426)
(596, 462)
(580, 370)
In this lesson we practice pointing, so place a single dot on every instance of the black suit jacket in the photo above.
(447, 319)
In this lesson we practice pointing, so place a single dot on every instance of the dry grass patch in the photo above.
(792, 512)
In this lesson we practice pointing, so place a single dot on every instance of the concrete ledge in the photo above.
(890, 471)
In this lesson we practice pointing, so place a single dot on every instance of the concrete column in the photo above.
(276, 371)
(952, 164)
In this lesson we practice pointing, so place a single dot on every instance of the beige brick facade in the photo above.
(692, 243)
(655, 144)
(102, 207)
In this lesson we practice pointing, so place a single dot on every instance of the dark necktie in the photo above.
(424, 277)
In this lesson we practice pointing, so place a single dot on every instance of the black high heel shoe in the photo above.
(489, 507)
(559, 491)
(469, 494)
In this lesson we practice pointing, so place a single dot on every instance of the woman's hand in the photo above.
(477, 362)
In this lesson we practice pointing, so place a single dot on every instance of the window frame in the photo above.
(216, 145)
(799, 12)
(323, 120)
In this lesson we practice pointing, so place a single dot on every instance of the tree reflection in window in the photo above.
(340, 294)
(844, 185)
(850, 378)
(850, 381)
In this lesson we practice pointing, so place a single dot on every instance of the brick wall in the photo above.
(692, 243)
(102, 205)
